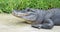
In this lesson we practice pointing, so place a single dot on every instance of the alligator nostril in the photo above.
(14, 13)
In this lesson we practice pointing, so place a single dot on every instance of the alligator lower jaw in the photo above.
(27, 21)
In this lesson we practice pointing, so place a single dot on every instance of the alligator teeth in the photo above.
(22, 14)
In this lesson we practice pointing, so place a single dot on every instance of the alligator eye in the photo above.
(28, 10)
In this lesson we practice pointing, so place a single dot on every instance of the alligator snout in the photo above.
(19, 13)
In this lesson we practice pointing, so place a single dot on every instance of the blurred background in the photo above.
(6, 6)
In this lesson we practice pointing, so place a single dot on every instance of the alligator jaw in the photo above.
(22, 14)
(19, 14)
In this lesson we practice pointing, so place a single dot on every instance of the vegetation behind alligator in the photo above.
(40, 18)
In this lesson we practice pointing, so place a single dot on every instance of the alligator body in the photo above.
(40, 18)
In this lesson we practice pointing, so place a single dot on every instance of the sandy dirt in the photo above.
(9, 23)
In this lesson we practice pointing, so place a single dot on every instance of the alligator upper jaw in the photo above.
(19, 13)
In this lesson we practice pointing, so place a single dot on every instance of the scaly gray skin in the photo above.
(40, 18)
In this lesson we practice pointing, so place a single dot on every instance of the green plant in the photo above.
(7, 6)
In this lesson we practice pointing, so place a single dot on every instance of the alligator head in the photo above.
(27, 14)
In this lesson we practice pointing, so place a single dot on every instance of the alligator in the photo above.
(45, 19)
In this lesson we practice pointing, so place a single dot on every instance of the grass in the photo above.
(6, 6)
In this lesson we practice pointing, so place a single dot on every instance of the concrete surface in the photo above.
(9, 23)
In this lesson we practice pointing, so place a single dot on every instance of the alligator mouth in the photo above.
(22, 14)
(19, 13)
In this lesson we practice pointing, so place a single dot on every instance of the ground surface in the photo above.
(9, 23)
